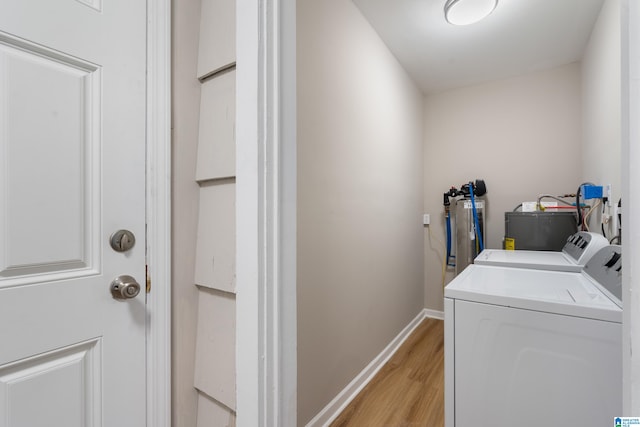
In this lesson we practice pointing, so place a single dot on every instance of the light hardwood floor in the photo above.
(409, 389)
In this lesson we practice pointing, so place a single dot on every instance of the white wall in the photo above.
(601, 102)
(359, 199)
(521, 135)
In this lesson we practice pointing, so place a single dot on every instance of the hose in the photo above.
(448, 222)
(588, 214)
(475, 217)
(604, 206)
(550, 196)
(578, 207)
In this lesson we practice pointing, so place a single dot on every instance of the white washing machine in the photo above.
(580, 247)
(532, 348)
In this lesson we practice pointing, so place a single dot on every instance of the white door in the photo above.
(72, 172)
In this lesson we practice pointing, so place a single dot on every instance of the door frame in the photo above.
(266, 333)
(630, 153)
(158, 213)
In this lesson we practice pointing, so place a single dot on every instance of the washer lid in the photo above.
(548, 291)
(579, 249)
(539, 260)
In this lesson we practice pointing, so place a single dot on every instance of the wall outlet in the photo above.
(426, 219)
(607, 193)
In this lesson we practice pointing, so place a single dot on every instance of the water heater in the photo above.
(467, 244)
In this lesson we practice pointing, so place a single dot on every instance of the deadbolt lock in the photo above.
(122, 240)
(125, 287)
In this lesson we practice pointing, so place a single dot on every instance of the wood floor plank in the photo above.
(408, 391)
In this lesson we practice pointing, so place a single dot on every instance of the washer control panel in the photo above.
(583, 245)
(605, 267)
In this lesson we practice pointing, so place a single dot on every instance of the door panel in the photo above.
(72, 172)
(64, 385)
(50, 142)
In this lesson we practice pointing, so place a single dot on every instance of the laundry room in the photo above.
(395, 106)
(319, 213)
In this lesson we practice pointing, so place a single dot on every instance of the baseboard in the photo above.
(330, 412)
(433, 314)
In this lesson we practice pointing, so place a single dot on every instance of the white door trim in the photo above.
(159, 212)
(630, 206)
(266, 359)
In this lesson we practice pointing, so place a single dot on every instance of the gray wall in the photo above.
(521, 135)
(203, 329)
(360, 275)
(186, 102)
(215, 367)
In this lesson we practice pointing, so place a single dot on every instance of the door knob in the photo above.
(125, 287)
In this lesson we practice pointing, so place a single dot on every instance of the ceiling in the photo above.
(519, 37)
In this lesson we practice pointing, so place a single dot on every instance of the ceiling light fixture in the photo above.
(465, 12)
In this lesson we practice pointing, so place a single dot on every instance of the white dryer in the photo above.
(580, 247)
(533, 348)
